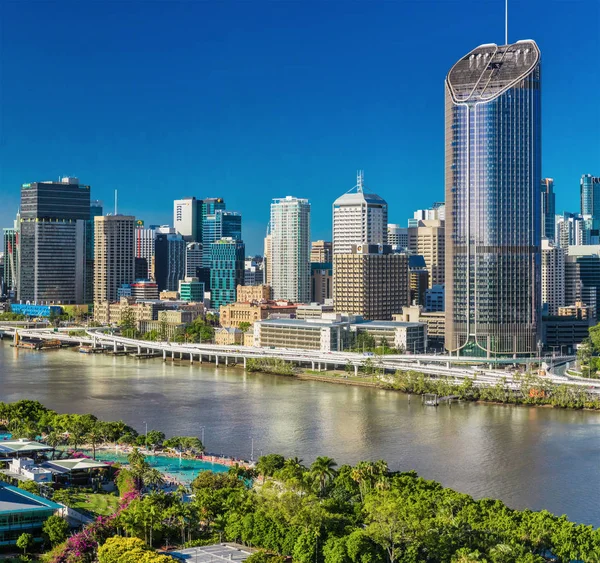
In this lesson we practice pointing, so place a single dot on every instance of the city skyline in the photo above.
(298, 136)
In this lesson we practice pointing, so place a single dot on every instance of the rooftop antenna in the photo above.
(116, 201)
(506, 22)
(360, 179)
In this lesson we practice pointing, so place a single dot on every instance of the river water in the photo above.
(528, 457)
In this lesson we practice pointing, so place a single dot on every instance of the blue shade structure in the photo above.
(493, 205)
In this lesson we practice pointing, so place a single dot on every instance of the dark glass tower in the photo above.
(548, 208)
(493, 206)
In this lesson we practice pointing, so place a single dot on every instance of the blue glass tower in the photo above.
(226, 270)
(216, 226)
(590, 201)
(493, 204)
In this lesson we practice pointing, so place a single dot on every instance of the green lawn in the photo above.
(102, 504)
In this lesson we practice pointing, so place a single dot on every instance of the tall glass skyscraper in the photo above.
(590, 202)
(493, 206)
(548, 208)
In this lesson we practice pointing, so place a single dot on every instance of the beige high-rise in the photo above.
(428, 240)
(114, 255)
(371, 282)
(320, 251)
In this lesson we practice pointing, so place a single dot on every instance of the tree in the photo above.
(244, 326)
(268, 464)
(323, 470)
(30, 487)
(25, 542)
(94, 437)
(55, 530)
(128, 322)
(155, 438)
(153, 478)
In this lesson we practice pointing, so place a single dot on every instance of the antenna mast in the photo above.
(360, 179)
(115, 201)
(506, 22)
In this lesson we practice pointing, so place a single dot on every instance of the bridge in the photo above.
(456, 368)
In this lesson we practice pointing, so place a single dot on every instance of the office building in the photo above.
(218, 225)
(169, 258)
(193, 259)
(96, 207)
(553, 277)
(418, 279)
(371, 281)
(253, 271)
(548, 208)
(187, 218)
(435, 321)
(145, 238)
(114, 255)
(210, 206)
(427, 239)
(358, 218)
(493, 223)
(321, 282)
(589, 189)
(11, 258)
(578, 310)
(190, 289)
(321, 251)
(582, 275)
(437, 212)
(267, 264)
(233, 314)
(144, 290)
(290, 249)
(227, 257)
(251, 293)
(397, 237)
(434, 299)
(52, 241)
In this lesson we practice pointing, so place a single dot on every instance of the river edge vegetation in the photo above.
(304, 513)
(532, 390)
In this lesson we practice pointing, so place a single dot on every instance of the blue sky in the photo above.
(254, 100)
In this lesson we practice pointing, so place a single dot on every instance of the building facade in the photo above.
(548, 208)
(227, 257)
(427, 239)
(250, 293)
(397, 237)
(493, 207)
(589, 189)
(221, 224)
(114, 255)
(321, 251)
(52, 241)
(321, 282)
(553, 277)
(145, 240)
(290, 249)
(371, 281)
(193, 259)
(169, 258)
(249, 312)
(358, 218)
(191, 289)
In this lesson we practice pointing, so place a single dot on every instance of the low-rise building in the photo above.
(191, 289)
(22, 512)
(27, 469)
(563, 333)
(404, 336)
(233, 314)
(313, 310)
(168, 295)
(435, 320)
(143, 290)
(434, 299)
(579, 311)
(227, 336)
(251, 293)
(34, 310)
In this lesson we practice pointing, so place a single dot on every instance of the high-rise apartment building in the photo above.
(290, 249)
(548, 208)
(253, 271)
(358, 218)
(145, 239)
(321, 281)
(11, 257)
(589, 189)
(218, 225)
(226, 270)
(493, 223)
(52, 241)
(418, 279)
(553, 276)
(427, 239)
(371, 281)
(582, 275)
(267, 262)
(570, 230)
(397, 237)
(114, 255)
(169, 258)
(321, 251)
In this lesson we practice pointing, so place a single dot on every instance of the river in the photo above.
(528, 457)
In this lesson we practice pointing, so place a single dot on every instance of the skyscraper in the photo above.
(169, 258)
(193, 259)
(226, 270)
(589, 187)
(397, 237)
(95, 211)
(548, 208)
(218, 225)
(493, 207)
(358, 218)
(11, 258)
(145, 240)
(114, 255)
(553, 276)
(320, 251)
(52, 249)
(187, 218)
(427, 238)
(290, 249)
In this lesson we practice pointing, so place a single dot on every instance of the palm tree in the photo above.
(94, 437)
(152, 477)
(323, 470)
(54, 439)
